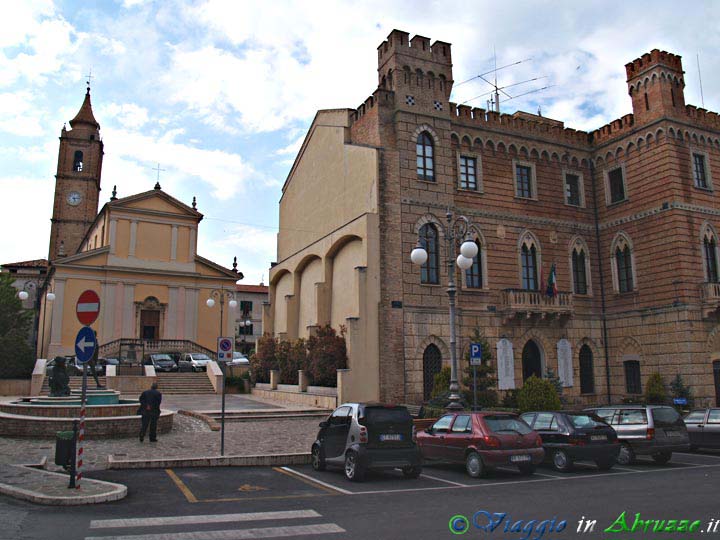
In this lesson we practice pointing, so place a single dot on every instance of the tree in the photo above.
(680, 390)
(655, 391)
(538, 395)
(327, 352)
(486, 395)
(264, 358)
(16, 355)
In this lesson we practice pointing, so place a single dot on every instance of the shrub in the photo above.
(291, 357)
(16, 357)
(510, 399)
(326, 353)
(441, 383)
(264, 358)
(538, 395)
(680, 390)
(655, 391)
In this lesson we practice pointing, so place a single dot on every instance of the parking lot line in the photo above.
(313, 481)
(181, 486)
(235, 534)
(616, 468)
(547, 475)
(443, 480)
(200, 519)
(697, 455)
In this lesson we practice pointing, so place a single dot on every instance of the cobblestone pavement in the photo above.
(190, 437)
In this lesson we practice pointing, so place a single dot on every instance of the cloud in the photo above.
(28, 210)
(129, 115)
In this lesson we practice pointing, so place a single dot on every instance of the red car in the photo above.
(482, 441)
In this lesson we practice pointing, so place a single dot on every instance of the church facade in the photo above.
(139, 253)
(624, 219)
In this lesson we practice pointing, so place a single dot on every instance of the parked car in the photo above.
(160, 361)
(198, 361)
(238, 359)
(570, 436)
(363, 436)
(482, 441)
(650, 430)
(102, 363)
(703, 427)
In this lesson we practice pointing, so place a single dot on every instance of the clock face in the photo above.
(74, 198)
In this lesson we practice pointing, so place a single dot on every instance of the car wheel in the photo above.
(474, 465)
(526, 470)
(318, 459)
(411, 472)
(626, 456)
(353, 470)
(605, 464)
(562, 461)
(662, 458)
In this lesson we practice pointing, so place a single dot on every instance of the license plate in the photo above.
(519, 459)
(391, 437)
(598, 437)
(673, 433)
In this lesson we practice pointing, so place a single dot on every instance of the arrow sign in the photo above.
(85, 344)
(88, 307)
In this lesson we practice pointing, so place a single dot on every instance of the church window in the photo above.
(528, 259)
(425, 157)
(578, 270)
(429, 240)
(624, 268)
(78, 161)
(710, 256)
(473, 275)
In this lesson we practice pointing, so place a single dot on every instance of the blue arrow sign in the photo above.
(85, 344)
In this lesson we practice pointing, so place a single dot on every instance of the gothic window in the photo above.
(429, 272)
(616, 185)
(425, 157)
(432, 365)
(623, 268)
(578, 270)
(528, 260)
(78, 161)
(419, 77)
(633, 384)
(468, 173)
(587, 376)
(473, 275)
(710, 256)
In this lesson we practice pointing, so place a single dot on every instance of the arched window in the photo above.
(531, 361)
(473, 275)
(432, 364)
(587, 375)
(710, 256)
(78, 161)
(429, 239)
(419, 77)
(624, 269)
(528, 261)
(578, 270)
(425, 157)
(633, 384)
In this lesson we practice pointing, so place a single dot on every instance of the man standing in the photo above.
(150, 410)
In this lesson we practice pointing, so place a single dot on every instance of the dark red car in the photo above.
(482, 441)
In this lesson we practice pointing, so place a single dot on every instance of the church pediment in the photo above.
(155, 202)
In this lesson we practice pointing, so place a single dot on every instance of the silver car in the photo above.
(650, 430)
(703, 427)
(198, 361)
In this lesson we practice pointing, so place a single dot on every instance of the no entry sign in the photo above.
(88, 307)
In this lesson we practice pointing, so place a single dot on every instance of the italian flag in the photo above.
(552, 289)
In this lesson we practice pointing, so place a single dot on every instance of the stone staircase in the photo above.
(75, 384)
(185, 383)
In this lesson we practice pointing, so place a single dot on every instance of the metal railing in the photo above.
(134, 350)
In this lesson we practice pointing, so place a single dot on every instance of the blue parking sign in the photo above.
(475, 354)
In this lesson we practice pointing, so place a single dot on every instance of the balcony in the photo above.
(522, 304)
(710, 299)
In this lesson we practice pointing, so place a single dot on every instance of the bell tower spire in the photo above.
(77, 181)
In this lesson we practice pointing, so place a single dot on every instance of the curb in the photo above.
(269, 460)
(212, 424)
(118, 492)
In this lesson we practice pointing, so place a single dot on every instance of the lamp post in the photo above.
(457, 227)
(221, 294)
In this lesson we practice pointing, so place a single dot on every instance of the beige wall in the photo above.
(311, 275)
(153, 241)
(345, 300)
(283, 288)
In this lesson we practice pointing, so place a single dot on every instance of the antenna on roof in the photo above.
(702, 98)
(494, 102)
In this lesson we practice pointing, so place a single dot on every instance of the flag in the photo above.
(552, 289)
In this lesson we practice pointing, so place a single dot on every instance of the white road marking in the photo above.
(315, 480)
(616, 468)
(548, 475)
(696, 455)
(237, 534)
(194, 520)
(443, 480)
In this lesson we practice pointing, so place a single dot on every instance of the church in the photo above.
(138, 253)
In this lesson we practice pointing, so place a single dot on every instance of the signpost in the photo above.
(475, 361)
(87, 310)
(224, 355)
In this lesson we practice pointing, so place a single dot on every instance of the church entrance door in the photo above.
(150, 324)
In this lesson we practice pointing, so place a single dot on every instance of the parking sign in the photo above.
(475, 354)
(225, 349)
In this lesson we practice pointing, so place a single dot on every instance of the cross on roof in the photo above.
(159, 170)
(89, 79)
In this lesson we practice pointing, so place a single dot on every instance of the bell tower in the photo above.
(77, 182)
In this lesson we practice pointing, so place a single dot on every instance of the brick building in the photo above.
(626, 214)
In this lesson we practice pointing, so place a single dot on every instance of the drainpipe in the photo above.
(602, 284)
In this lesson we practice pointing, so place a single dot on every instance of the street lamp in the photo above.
(220, 295)
(457, 228)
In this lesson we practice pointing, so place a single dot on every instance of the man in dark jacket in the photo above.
(150, 410)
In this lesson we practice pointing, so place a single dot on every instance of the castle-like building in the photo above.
(627, 215)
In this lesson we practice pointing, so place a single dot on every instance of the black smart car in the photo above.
(571, 436)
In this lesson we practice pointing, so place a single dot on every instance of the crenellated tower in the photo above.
(77, 182)
(656, 86)
(419, 73)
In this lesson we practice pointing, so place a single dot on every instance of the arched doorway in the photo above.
(531, 360)
(150, 318)
(432, 364)
(716, 377)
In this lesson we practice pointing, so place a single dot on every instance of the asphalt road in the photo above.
(236, 503)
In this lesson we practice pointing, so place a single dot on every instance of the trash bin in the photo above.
(64, 448)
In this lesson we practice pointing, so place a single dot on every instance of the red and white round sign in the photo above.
(88, 307)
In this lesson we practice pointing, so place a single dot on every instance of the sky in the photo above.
(220, 93)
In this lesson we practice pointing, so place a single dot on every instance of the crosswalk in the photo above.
(140, 526)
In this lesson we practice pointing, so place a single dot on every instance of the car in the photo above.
(362, 436)
(102, 364)
(703, 427)
(650, 430)
(570, 436)
(482, 441)
(198, 361)
(238, 359)
(160, 361)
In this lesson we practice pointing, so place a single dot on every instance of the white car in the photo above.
(239, 359)
(198, 361)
